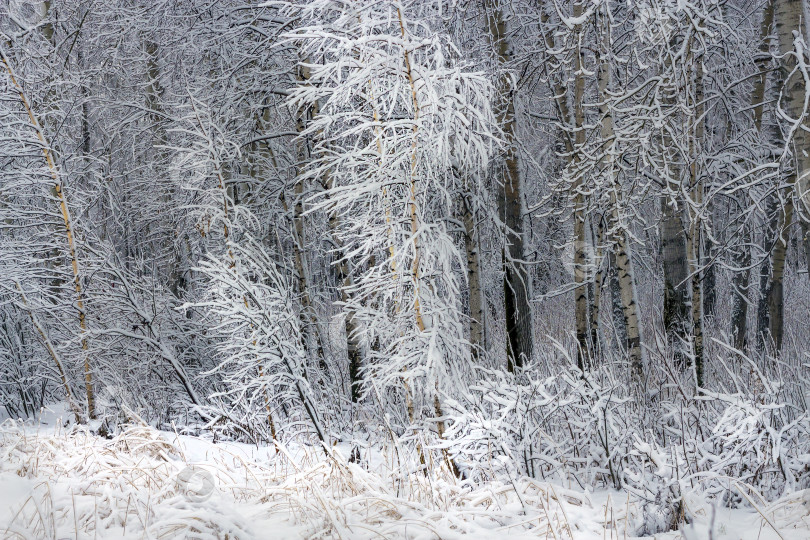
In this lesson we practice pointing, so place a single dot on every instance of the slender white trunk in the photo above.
(695, 239)
(66, 219)
(790, 28)
(476, 320)
(623, 256)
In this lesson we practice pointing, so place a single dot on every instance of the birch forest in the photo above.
(405, 269)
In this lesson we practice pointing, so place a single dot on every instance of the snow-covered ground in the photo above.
(58, 482)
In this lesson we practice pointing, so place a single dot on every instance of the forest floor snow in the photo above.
(143, 483)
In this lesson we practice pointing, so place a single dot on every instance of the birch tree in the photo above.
(393, 122)
(791, 31)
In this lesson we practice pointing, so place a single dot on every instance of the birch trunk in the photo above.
(414, 215)
(261, 172)
(66, 219)
(789, 19)
(353, 350)
(573, 135)
(806, 245)
(709, 277)
(160, 139)
(581, 309)
(776, 295)
(625, 286)
(696, 256)
(695, 239)
(629, 302)
(344, 279)
(476, 303)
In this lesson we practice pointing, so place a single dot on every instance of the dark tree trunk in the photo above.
(516, 279)
(676, 286)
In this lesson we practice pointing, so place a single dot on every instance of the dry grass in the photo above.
(85, 486)
(79, 485)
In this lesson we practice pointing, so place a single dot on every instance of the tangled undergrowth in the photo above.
(144, 483)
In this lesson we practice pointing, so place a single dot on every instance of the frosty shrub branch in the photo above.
(516, 262)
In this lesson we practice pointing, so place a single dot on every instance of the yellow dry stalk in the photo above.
(388, 218)
(440, 426)
(409, 403)
(412, 183)
(63, 207)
